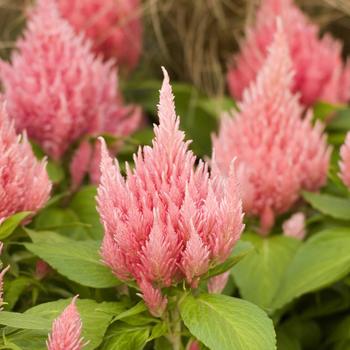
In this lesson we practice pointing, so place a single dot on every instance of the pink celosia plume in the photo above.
(24, 183)
(344, 163)
(319, 71)
(57, 89)
(66, 330)
(167, 221)
(295, 226)
(2, 274)
(218, 283)
(278, 152)
(114, 26)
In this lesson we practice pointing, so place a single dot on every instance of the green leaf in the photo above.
(225, 323)
(124, 337)
(135, 310)
(341, 122)
(259, 274)
(240, 250)
(24, 321)
(95, 317)
(336, 207)
(84, 205)
(319, 262)
(55, 171)
(14, 289)
(11, 223)
(323, 110)
(77, 260)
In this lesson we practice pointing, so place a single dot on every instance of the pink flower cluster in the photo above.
(319, 71)
(278, 151)
(24, 183)
(166, 221)
(114, 26)
(57, 89)
(66, 330)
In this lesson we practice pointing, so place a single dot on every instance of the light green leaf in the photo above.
(95, 317)
(338, 208)
(319, 262)
(24, 321)
(225, 323)
(135, 310)
(77, 260)
(259, 274)
(124, 337)
(84, 205)
(11, 223)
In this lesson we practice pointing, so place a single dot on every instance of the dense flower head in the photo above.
(319, 71)
(114, 26)
(57, 89)
(66, 330)
(344, 163)
(167, 221)
(24, 183)
(278, 152)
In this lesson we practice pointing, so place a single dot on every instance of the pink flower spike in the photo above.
(344, 163)
(320, 73)
(279, 153)
(167, 222)
(24, 183)
(295, 226)
(114, 27)
(218, 283)
(57, 89)
(66, 330)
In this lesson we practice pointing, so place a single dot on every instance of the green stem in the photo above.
(175, 324)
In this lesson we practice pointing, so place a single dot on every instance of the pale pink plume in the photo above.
(56, 88)
(344, 163)
(66, 330)
(24, 183)
(295, 226)
(278, 152)
(167, 221)
(218, 283)
(2, 274)
(114, 26)
(319, 71)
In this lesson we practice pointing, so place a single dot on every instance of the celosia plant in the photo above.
(319, 71)
(114, 26)
(278, 151)
(166, 222)
(24, 183)
(57, 89)
(66, 330)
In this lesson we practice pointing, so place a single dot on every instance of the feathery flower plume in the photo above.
(319, 71)
(2, 274)
(114, 26)
(24, 183)
(295, 226)
(66, 330)
(278, 153)
(56, 88)
(167, 221)
(344, 163)
(218, 283)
